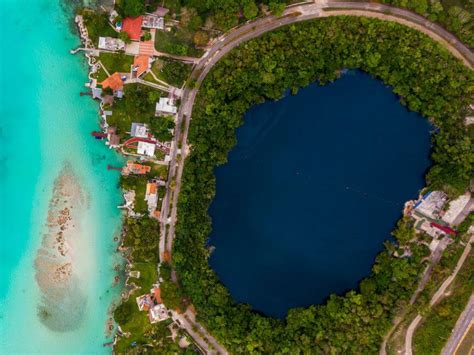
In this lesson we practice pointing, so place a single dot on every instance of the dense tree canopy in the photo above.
(456, 16)
(133, 8)
(427, 79)
(225, 14)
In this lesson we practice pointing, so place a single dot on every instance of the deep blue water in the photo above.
(312, 190)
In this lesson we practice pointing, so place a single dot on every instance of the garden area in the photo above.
(137, 105)
(138, 184)
(171, 71)
(116, 62)
(97, 25)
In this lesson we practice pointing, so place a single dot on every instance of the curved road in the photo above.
(224, 44)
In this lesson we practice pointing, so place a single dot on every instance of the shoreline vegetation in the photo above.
(423, 74)
(264, 68)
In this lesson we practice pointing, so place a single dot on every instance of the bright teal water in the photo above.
(44, 123)
(311, 191)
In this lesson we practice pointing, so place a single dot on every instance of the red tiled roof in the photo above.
(114, 82)
(133, 27)
(141, 61)
(445, 229)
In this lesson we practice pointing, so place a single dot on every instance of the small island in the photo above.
(173, 82)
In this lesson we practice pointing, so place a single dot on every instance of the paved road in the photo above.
(437, 296)
(190, 327)
(462, 326)
(236, 36)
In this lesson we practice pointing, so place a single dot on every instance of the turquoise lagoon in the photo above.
(44, 125)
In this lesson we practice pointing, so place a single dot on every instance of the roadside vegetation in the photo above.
(457, 16)
(426, 78)
(178, 41)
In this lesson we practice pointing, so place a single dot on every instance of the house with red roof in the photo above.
(133, 27)
(141, 64)
(114, 82)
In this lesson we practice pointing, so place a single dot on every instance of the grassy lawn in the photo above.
(172, 71)
(97, 25)
(149, 77)
(137, 183)
(116, 62)
(177, 41)
(132, 320)
(142, 331)
(435, 329)
(100, 75)
(160, 170)
(148, 275)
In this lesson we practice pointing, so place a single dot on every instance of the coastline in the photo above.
(123, 242)
(60, 121)
(124, 270)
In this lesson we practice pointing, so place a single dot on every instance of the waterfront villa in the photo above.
(432, 219)
(134, 168)
(111, 44)
(431, 204)
(139, 130)
(144, 302)
(115, 82)
(152, 303)
(165, 106)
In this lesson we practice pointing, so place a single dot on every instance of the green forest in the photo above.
(425, 77)
(457, 16)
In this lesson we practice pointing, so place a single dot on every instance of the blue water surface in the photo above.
(313, 188)
(44, 125)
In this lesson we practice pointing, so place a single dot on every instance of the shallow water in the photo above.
(44, 126)
(311, 191)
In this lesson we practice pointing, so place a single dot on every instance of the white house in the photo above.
(153, 21)
(165, 106)
(158, 313)
(111, 44)
(139, 130)
(145, 148)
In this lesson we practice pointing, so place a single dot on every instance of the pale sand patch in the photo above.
(63, 301)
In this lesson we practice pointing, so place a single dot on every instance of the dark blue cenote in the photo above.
(313, 188)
